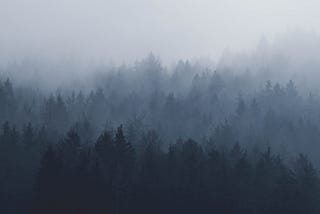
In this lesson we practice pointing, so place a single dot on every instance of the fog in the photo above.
(123, 31)
(159, 106)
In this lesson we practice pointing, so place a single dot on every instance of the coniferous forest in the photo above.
(150, 139)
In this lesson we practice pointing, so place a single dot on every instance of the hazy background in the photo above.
(125, 30)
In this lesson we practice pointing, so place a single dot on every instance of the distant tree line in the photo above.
(193, 140)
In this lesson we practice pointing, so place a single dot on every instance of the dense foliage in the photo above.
(193, 140)
(111, 176)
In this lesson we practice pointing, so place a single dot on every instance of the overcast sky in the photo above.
(123, 30)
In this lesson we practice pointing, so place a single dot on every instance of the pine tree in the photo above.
(49, 183)
(307, 186)
(28, 135)
(123, 168)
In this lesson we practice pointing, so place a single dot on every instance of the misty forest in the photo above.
(149, 138)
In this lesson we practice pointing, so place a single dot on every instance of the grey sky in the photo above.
(123, 30)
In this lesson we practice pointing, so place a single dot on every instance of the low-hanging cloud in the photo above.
(126, 30)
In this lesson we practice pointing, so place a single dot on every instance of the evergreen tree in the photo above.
(49, 183)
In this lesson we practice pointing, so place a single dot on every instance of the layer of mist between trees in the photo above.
(147, 138)
(189, 101)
